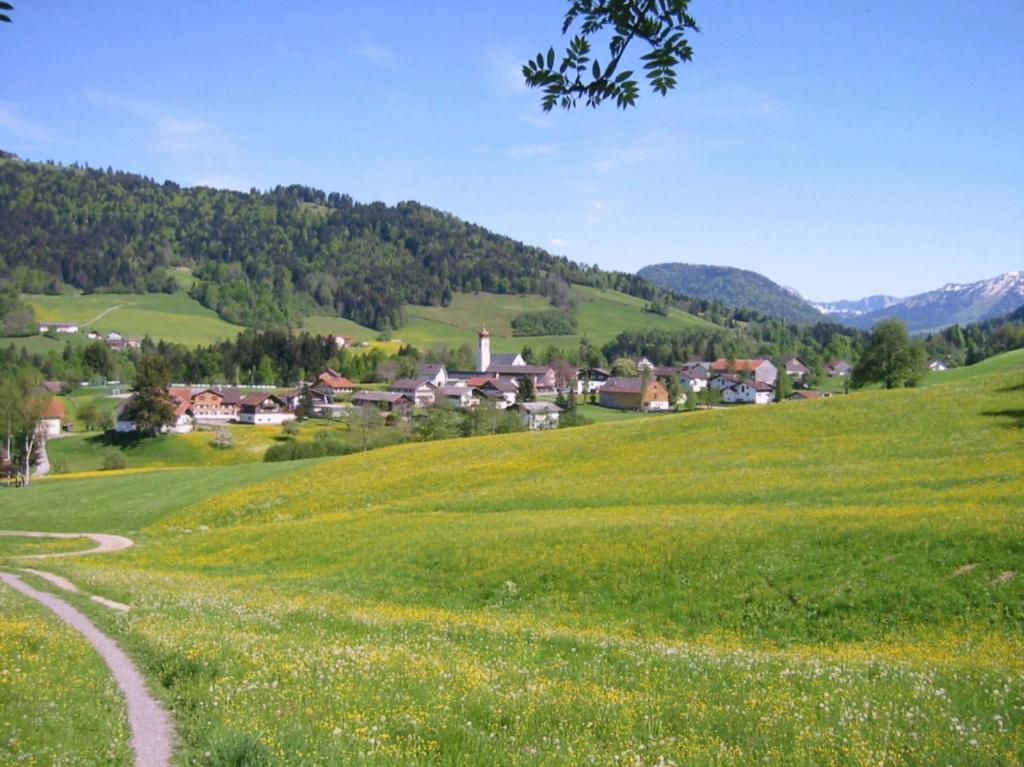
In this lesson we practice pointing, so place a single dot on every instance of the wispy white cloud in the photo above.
(170, 130)
(596, 212)
(619, 157)
(557, 243)
(376, 55)
(734, 101)
(12, 122)
(506, 72)
(531, 150)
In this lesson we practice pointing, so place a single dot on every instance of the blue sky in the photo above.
(840, 148)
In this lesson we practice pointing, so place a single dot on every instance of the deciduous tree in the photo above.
(890, 357)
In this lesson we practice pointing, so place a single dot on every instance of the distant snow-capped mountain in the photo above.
(952, 303)
(856, 308)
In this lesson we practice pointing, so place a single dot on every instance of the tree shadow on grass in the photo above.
(1014, 387)
(1016, 414)
(116, 439)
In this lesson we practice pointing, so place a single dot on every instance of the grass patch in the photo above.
(58, 702)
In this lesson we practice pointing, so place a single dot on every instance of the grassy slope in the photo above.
(1009, 361)
(58, 703)
(723, 587)
(602, 315)
(172, 317)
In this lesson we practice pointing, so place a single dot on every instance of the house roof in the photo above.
(740, 366)
(54, 408)
(731, 379)
(410, 383)
(504, 359)
(501, 385)
(584, 372)
(760, 385)
(54, 387)
(259, 398)
(430, 369)
(808, 395)
(626, 385)
(335, 381)
(836, 363)
(379, 396)
(229, 395)
(536, 370)
(454, 391)
(538, 408)
(795, 364)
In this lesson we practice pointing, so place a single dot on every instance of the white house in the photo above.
(590, 380)
(263, 409)
(538, 416)
(435, 373)
(937, 365)
(750, 392)
(502, 391)
(461, 397)
(693, 379)
(51, 418)
(422, 392)
(723, 382)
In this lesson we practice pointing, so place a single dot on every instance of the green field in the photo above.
(172, 317)
(602, 315)
(827, 582)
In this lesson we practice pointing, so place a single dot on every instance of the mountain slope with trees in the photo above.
(733, 287)
(262, 259)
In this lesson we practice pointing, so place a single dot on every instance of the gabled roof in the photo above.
(808, 395)
(584, 372)
(625, 385)
(229, 395)
(334, 380)
(504, 359)
(54, 408)
(430, 369)
(535, 370)
(538, 408)
(740, 366)
(500, 385)
(455, 391)
(54, 387)
(411, 383)
(380, 396)
(254, 400)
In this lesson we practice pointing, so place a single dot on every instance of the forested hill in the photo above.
(733, 287)
(259, 258)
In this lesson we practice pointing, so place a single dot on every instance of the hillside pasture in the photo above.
(173, 317)
(825, 582)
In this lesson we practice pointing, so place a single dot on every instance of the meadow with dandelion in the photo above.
(826, 582)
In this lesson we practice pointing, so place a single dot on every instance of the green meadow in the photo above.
(602, 315)
(814, 583)
(172, 317)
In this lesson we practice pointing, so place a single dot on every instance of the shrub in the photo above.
(223, 438)
(113, 460)
(549, 322)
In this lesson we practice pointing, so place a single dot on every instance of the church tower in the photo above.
(483, 351)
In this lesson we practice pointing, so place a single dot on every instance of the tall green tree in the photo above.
(151, 406)
(890, 357)
(783, 384)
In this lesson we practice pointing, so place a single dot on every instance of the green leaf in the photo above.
(551, 58)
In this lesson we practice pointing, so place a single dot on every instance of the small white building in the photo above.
(58, 327)
(422, 392)
(461, 397)
(590, 380)
(937, 365)
(749, 392)
(538, 416)
(433, 372)
(264, 409)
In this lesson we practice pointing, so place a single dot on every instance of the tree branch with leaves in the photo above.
(662, 25)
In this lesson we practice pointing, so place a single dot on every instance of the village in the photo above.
(539, 394)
